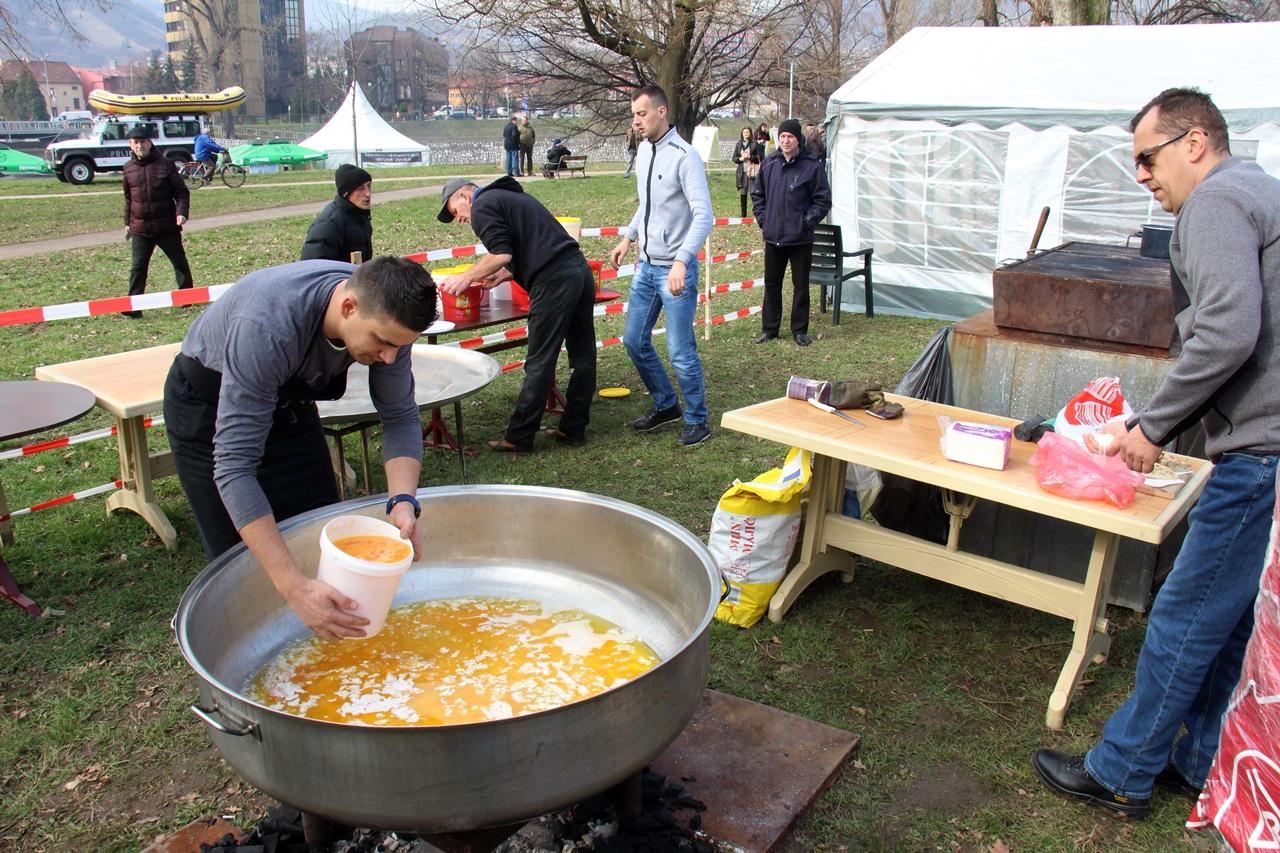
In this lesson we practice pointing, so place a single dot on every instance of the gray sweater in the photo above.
(674, 216)
(1226, 251)
(263, 335)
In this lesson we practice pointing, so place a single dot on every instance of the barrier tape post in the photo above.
(706, 311)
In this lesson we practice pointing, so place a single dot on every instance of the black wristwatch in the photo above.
(408, 499)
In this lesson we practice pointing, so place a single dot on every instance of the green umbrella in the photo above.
(12, 161)
(277, 151)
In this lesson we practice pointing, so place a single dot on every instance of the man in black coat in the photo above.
(156, 204)
(345, 225)
(791, 195)
(511, 147)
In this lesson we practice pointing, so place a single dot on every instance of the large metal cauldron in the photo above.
(569, 549)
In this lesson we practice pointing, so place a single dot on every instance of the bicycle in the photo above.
(194, 173)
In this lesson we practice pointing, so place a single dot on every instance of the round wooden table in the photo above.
(26, 408)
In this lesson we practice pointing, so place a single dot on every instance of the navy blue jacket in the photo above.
(790, 197)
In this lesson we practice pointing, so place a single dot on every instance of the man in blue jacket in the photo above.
(207, 151)
(791, 196)
(511, 147)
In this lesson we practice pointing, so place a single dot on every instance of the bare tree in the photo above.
(55, 11)
(704, 53)
(218, 29)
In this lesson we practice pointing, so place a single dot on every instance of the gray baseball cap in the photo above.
(449, 189)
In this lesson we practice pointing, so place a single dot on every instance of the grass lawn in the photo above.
(947, 688)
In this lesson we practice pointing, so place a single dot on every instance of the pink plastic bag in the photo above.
(1067, 469)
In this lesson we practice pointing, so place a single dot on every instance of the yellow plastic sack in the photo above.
(753, 533)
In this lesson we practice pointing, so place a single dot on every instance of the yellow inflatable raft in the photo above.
(111, 102)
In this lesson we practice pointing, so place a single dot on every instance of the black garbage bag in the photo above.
(905, 505)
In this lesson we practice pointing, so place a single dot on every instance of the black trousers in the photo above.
(776, 259)
(526, 159)
(560, 313)
(295, 472)
(169, 243)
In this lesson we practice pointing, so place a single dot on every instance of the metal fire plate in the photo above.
(1088, 291)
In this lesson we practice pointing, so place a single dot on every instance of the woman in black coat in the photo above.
(747, 154)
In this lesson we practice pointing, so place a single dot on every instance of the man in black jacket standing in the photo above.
(511, 147)
(791, 196)
(527, 244)
(345, 225)
(156, 204)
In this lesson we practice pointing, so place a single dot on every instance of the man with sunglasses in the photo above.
(1225, 255)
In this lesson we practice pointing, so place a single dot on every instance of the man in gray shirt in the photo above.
(670, 226)
(242, 422)
(1226, 252)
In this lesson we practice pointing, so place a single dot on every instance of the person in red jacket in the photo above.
(156, 204)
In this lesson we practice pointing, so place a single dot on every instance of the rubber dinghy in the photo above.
(111, 102)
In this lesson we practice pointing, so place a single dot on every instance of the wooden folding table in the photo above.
(909, 447)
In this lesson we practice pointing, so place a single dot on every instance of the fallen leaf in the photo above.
(999, 847)
(858, 765)
(862, 712)
(39, 469)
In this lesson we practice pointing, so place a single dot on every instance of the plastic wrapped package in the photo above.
(1065, 468)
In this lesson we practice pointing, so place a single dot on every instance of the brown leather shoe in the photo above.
(501, 445)
(563, 437)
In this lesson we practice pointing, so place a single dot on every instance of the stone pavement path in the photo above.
(116, 235)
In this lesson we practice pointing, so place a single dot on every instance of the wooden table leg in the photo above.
(826, 490)
(1091, 643)
(136, 473)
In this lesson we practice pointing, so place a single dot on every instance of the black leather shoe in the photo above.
(132, 315)
(765, 338)
(656, 418)
(1066, 775)
(803, 340)
(1171, 780)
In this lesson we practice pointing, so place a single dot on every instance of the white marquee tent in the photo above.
(378, 142)
(945, 148)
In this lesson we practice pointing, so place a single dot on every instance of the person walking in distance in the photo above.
(791, 195)
(633, 143)
(528, 136)
(746, 154)
(156, 205)
(670, 225)
(511, 147)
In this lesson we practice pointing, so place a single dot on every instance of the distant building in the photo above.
(269, 52)
(59, 83)
(400, 69)
(107, 79)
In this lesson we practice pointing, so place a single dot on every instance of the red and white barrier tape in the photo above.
(68, 440)
(608, 342)
(616, 230)
(446, 254)
(731, 287)
(65, 499)
(113, 305)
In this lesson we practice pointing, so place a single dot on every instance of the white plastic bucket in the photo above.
(372, 585)
(501, 293)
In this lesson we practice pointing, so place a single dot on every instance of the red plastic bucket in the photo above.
(465, 306)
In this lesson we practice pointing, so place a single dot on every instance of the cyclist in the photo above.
(207, 151)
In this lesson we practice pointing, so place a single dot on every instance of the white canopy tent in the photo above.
(378, 142)
(945, 148)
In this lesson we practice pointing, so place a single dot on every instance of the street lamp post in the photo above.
(49, 89)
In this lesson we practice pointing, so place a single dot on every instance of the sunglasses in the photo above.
(1146, 157)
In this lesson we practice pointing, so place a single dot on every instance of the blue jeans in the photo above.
(1196, 635)
(649, 295)
(513, 161)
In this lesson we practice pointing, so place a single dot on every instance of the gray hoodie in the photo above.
(1226, 250)
(674, 217)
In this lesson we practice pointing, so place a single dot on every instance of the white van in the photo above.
(73, 115)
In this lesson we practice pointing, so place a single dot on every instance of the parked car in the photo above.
(70, 116)
(106, 149)
(460, 114)
(443, 112)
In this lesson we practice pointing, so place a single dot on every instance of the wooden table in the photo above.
(27, 408)
(130, 386)
(909, 447)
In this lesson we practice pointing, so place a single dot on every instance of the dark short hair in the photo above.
(396, 288)
(1184, 108)
(655, 93)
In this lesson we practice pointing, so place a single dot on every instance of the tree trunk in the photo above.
(1068, 13)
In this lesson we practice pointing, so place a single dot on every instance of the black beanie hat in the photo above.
(791, 126)
(349, 177)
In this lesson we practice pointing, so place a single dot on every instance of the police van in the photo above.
(106, 148)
